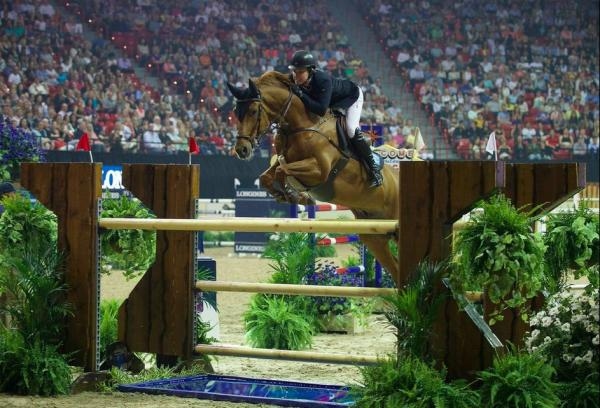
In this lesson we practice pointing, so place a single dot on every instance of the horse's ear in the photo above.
(236, 92)
(253, 89)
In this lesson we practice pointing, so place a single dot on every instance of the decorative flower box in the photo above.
(344, 323)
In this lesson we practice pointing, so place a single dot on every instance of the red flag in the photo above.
(83, 143)
(193, 145)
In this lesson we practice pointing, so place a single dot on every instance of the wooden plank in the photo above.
(292, 355)
(177, 284)
(158, 315)
(288, 289)
(546, 184)
(71, 191)
(433, 195)
(256, 224)
(464, 344)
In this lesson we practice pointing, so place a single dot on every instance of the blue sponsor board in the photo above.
(112, 178)
(255, 203)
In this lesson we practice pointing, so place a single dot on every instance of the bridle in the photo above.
(275, 123)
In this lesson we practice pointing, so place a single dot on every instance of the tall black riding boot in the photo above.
(362, 146)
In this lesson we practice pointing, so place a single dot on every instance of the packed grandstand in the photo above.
(143, 76)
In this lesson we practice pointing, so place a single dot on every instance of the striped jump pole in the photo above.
(322, 207)
(311, 211)
(346, 239)
(350, 269)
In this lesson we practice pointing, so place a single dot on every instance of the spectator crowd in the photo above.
(526, 70)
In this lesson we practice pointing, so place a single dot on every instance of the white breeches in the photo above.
(353, 114)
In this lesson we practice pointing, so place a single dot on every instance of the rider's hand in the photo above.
(296, 90)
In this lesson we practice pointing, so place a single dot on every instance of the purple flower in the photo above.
(16, 146)
(326, 275)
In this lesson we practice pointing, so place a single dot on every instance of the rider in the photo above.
(319, 91)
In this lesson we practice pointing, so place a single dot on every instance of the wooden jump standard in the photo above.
(158, 315)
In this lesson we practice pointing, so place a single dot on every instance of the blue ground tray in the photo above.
(240, 389)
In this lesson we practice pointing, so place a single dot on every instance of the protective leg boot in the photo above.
(362, 147)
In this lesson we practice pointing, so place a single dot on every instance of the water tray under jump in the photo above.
(240, 389)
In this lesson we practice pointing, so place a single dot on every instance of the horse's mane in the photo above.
(274, 78)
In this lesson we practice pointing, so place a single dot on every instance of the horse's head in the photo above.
(251, 116)
(256, 116)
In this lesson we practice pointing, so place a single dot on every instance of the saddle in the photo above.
(343, 140)
(342, 131)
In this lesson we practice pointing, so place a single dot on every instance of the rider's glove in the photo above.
(296, 90)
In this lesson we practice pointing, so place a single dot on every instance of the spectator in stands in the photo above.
(151, 137)
(478, 149)
(520, 149)
(528, 132)
(593, 146)
(504, 150)
(173, 141)
(566, 140)
(580, 149)
(551, 144)
(535, 149)
(42, 134)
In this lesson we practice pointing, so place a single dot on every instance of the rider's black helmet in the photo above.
(303, 59)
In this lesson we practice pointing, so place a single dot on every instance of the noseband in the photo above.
(258, 134)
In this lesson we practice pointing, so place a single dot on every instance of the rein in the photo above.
(255, 141)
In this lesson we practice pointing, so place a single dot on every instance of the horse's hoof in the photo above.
(306, 199)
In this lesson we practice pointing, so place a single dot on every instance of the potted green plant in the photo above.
(25, 226)
(572, 244)
(519, 379)
(408, 381)
(498, 252)
(274, 322)
(412, 310)
(33, 310)
(131, 250)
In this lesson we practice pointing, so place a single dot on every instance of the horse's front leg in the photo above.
(273, 183)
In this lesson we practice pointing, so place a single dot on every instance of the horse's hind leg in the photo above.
(379, 247)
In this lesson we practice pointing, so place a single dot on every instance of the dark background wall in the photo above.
(219, 175)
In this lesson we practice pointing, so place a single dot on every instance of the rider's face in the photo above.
(300, 76)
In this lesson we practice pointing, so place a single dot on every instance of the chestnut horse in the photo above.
(310, 160)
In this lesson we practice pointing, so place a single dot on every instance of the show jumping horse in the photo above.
(311, 164)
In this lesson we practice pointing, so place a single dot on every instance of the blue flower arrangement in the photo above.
(326, 274)
(17, 145)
